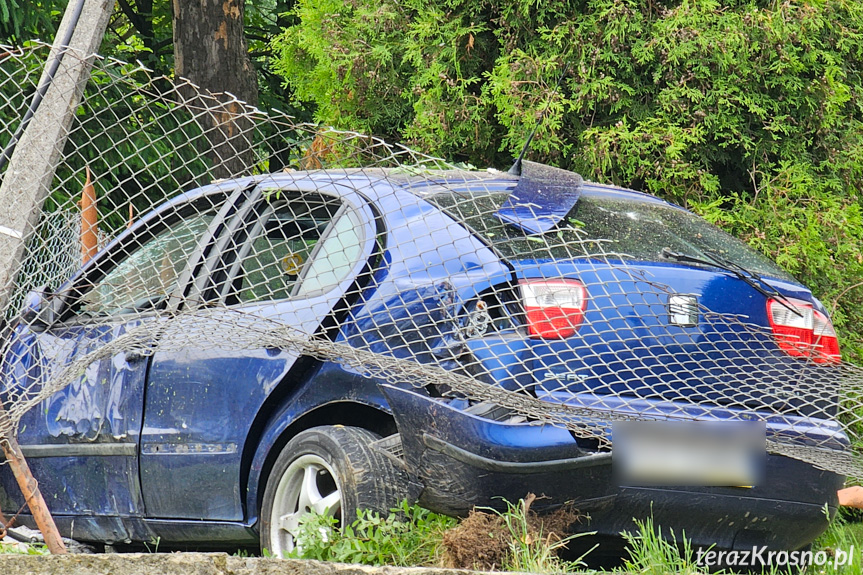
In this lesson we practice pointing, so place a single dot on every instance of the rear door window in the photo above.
(304, 244)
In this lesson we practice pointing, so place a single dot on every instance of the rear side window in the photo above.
(284, 247)
(336, 256)
(637, 229)
(304, 244)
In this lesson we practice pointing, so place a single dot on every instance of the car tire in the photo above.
(330, 468)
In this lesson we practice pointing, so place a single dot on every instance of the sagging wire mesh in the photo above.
(55, 253)
(563, 302)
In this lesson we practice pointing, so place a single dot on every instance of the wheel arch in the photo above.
(284, 426)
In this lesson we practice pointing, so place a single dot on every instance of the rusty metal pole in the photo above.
(30, 488)
(26, 183)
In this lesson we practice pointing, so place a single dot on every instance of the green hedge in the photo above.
(747, 112)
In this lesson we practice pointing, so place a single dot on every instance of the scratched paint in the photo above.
(103, 403)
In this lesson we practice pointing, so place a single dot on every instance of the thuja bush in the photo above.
(748, 112)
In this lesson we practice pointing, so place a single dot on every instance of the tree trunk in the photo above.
(210, 50)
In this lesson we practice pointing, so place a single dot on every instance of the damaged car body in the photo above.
(503, 280)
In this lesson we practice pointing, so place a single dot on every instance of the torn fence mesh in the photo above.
(278, 256)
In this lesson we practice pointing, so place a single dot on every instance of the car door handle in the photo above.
(136, 356)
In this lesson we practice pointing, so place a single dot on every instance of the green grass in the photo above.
(653, 555)
(413, 536)
(410, 536)
(650, 554)
(531, 548)
(841, 535)
(23, 549)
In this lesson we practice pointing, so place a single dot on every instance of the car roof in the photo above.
(418, 181)
(494, 181)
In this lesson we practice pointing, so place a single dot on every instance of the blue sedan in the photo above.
(496, 279)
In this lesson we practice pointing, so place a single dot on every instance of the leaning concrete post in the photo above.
(26, 183)
(28, 177)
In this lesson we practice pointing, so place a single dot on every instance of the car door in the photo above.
(289, 262)
(82, 440)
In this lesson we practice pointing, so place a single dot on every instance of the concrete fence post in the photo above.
(26, 184)
(28, 176)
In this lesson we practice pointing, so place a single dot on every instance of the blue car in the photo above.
(515, 320)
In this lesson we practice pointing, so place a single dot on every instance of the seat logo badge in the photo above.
(683, 310)
(566, 377)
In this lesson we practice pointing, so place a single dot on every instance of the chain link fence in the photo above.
(226, 229)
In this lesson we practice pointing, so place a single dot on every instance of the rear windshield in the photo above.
(623, 226)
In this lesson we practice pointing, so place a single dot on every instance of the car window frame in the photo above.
(220, 291)
(227, 289)
(129, 243)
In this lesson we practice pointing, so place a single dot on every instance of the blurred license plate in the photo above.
(697, 453)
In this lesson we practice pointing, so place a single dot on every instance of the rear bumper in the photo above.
(465, 461)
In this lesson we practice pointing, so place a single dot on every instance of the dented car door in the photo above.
(82, 441)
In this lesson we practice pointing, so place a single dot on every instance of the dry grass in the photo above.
(488, 540)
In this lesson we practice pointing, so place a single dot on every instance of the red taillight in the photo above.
(792, 327)
(807, 333)
(555, 308)
(824, 340)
